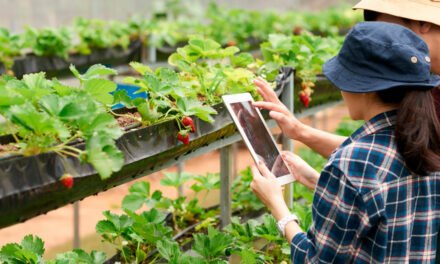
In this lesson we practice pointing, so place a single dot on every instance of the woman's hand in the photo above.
(265, 186)
(290, 126)
(270, 193)
(301, 170)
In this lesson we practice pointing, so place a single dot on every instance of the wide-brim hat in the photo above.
(420, 10)
(378, 56)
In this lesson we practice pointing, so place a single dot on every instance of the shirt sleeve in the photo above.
(341, 218)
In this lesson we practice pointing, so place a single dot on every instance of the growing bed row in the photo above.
(94, 41)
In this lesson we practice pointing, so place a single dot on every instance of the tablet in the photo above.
(256, 135)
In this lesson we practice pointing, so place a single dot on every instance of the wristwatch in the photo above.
(284, 221)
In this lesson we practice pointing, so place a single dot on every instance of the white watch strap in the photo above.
(284, 221)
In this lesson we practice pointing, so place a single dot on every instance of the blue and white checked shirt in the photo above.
(368, 208)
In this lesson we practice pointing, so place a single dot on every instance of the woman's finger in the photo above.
(271, 106)
(265, 172)
(265, 90)
(256, 173)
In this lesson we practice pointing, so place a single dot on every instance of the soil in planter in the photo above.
(128, 119)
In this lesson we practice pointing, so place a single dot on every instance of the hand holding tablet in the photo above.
(256, 135)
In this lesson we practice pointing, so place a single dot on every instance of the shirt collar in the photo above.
(378, 122)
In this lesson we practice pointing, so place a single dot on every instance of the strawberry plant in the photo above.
(99, 34)
(10, 47)
(206, 68)
(243, 199)
(30, 250)
(79, 256)
(305, 53)
(47, 116)
(134, 235)
(48, 41)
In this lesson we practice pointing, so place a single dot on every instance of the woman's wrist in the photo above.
(299, 132)
(279, 209)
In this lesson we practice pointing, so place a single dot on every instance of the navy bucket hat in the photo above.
(378, 56)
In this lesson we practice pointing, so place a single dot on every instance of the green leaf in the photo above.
(212, 245)
(121, 97)
(98, 70)
(194, 107)
(208, 182)
(33, 244)
(151, 233)
(169, 250)
(167, 75)
(139, 194)
(133, 202)
(100, 89)
(94, 72)
(175, 179)
(140, 68)
(242, 60)
(106, 227)
(104, 155)
(140, 255)
(100, 123)
(147, 113)
(230, 51)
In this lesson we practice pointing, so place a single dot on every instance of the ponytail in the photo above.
(417, 129)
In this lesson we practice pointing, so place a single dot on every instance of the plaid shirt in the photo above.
(368, 208)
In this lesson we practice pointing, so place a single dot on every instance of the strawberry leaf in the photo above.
(100, 89)
(193, 107)
(33, 244)
(103, 155)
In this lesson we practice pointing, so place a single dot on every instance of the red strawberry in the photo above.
(304, 98)
(67, 180)
(188, 122)
(297, 30)
(231, 43)
(183, 137)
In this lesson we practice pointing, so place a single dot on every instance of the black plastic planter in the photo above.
(56, 66)
(30, 185)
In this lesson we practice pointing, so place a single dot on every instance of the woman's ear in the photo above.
(424, 27)
(419, 27)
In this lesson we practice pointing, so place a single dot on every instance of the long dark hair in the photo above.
(417, 128)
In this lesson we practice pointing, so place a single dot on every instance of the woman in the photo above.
(378, 198)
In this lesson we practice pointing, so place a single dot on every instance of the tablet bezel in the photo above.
(245, 97)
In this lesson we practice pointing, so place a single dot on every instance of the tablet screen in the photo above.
(258, 136)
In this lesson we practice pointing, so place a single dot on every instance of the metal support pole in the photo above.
(152, 55)
(180, 169)
(287, 144)
(76, 230)
(226, 172)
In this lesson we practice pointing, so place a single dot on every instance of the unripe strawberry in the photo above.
(183, 137)
(189, 122)
(67, 180)
(304, 85)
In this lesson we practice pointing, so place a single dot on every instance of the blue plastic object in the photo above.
(131, 91)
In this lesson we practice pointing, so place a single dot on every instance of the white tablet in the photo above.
(256, 135)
